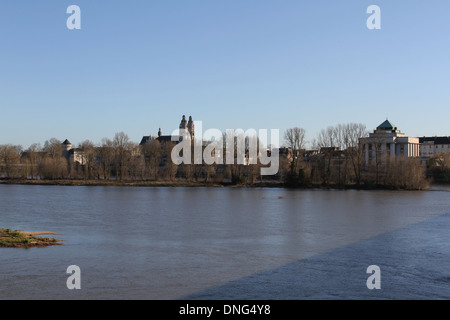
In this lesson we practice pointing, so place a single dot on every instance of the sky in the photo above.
(137, 66)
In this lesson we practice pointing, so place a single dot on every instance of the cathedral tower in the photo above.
(190, 127)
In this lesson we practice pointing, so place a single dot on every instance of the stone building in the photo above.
(387, 142)
(75, 155)
(186, 126)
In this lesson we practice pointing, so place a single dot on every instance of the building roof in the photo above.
(146, 139)
(164, 138)
(436, 140)
(66, 142)
(387, 125)
(77, 150)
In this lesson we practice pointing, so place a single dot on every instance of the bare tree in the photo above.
(326, 142)
(122, 150)
(346, 138)
(136, 167)
(33, 159)
(341, 152)
(90, 158)
(353, 148)
(295, 138)
(54, 165)
(295, 141)
(169, 168)
(152, 153)
(10, 158)
(106, 154)
(406, 173)
(53, 148)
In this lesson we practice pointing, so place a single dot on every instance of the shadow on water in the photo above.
(414, 264)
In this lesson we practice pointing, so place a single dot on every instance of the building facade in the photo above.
(75, 155)
(431, 146)
(387, 142)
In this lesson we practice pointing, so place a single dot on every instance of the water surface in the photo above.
(170, 243)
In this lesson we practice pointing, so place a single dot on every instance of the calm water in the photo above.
(224, 243)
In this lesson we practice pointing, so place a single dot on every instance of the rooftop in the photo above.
(387, 125)
(436, 140)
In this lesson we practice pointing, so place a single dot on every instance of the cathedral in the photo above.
(185, 127)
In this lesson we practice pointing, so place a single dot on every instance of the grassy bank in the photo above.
(117, 183)
(192, 183)
(23, 239)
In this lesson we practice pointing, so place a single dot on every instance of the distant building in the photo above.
(387, 142)
(310, 154)
(184, 127)
(75, 155)
(328, 150)
(431, 146)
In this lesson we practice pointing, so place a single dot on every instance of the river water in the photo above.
(227, 243)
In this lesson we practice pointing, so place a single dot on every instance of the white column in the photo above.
(374, 151)
(366, 149)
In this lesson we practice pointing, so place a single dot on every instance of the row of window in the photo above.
(443, 146)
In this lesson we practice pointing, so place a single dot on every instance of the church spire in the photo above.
(190, 127)
(183, 124)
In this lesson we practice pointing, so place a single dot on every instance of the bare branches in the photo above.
(295, 138)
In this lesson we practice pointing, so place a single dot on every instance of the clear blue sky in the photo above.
(136, 66)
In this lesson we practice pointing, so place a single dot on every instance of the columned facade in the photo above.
(387, 142)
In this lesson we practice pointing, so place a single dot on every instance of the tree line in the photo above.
(116, 159)
(336, 159)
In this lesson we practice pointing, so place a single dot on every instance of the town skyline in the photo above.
(309, 140)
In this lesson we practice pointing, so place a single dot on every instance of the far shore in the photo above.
(118, 183)
(186, 183)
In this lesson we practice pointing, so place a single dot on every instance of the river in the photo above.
(227, 243)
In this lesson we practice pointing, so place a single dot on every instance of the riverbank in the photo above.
(112, 183)
(136, 183)
(191, 183)
(26, 239)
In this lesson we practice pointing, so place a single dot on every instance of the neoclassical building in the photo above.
(387, 142)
